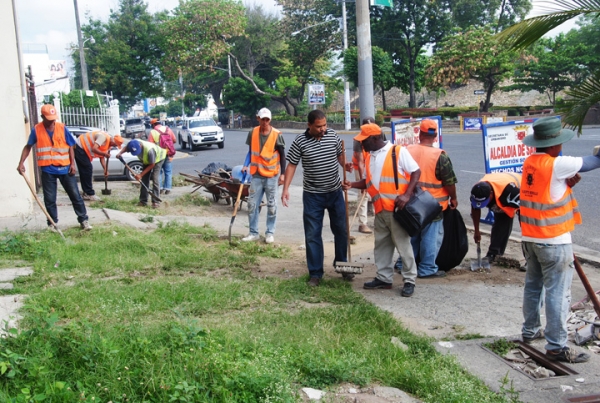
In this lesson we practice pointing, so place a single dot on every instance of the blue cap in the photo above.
(134, 147)
(480, 195)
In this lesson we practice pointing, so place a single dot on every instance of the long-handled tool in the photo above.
(39, 202)
(588, 287)
(106, 190)
(347, 267)
(239, 195)
(155, 197)
(481, 263)
(362, 198)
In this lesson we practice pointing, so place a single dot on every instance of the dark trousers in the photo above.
(86, 171)
(69, 183)
(501, 230)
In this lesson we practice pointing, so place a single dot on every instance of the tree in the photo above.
(239, 95)
(404, 30)
(549, 68)
(498, 14)
(383, 69)
(525, 33)
(472, 55)
(123, 59)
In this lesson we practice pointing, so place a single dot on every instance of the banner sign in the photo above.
(406, 131)
(385, 3)
(316, 94)
(472, 123)
(503, 147)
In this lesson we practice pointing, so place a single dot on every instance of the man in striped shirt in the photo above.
(320, 150)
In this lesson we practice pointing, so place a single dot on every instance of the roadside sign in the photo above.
(479, 92)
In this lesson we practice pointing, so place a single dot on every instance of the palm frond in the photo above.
(526, 32)
(580, 100)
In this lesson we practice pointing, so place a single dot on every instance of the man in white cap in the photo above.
(549, 213)
(267, 167)
(56, 158)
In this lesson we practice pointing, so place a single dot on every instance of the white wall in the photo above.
(15, 197)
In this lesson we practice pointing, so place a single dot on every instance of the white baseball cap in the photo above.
(264, 113)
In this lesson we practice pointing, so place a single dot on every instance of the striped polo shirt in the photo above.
(319, 161)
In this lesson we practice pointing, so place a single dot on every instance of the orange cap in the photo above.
(118, 140)
(429, 126)
(154, 121)
(49, 112)
(370, 129)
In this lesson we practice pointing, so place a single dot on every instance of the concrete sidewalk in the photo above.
(462, 303)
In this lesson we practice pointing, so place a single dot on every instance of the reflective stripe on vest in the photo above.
(498, 182)
(87, 143)
(265, 161)
(51, 152)
(427, 159)
(161, 153)
(384, 198)
(540, 216)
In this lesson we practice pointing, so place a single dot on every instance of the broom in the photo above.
(347, 267)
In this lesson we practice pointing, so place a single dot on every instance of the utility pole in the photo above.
(231, 124)
(365, 60)
(84, 76)
(347, 123)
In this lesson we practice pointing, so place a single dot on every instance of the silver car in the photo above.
(115, 167)
(197, 132)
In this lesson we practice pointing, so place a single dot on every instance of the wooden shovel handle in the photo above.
(588, 287)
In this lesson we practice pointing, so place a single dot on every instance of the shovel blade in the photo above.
(485, 264)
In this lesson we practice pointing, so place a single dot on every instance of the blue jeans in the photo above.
(315, 205)
(167, 174)
(258, 187)
(549, 267)
(69, 183)
(426, 246)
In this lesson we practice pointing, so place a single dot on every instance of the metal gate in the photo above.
(106, 119)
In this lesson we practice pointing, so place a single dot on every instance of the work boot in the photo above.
(142, 204)
(567, 354)
(377, 284)
(408, 290)
(85, 226)
(348, 276)
(364, 228)
(314, 282)
(167, 191)
(90, 197)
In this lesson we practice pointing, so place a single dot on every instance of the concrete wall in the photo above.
(15, 197)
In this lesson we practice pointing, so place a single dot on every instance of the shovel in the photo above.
(480, 263)
(106, 190)
(154, 197)
(239, 195)
(39, 202)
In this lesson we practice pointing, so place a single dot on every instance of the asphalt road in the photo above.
(466, 152)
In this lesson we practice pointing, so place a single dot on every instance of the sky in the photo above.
(53, 22)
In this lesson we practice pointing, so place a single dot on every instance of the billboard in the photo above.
(57, 69)
(316, 94)
(406, 131)
(503, 147)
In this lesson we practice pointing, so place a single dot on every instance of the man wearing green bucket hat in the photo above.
(549, 213)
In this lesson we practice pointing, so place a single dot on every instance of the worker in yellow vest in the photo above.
(267, 167)
(90, 145)
(549, 213)
(55, 156)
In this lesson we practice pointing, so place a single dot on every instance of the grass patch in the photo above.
(500, 346)
(175, 315)
(191, 199)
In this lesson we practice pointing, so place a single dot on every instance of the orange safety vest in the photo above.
(52, 152)
(265, 161)
(427, 158)
(498, 182)
(540, 216)
(87, 142)
(384, 198)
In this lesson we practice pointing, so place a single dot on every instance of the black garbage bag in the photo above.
(456, 242)
(217, 167)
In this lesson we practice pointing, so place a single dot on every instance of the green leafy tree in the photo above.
(383, 69)
(498, 14)
(585, 42)
(521, 35)
(123, 60)
(548, 68)
(239, 95)
(404, 30)
(472, 55)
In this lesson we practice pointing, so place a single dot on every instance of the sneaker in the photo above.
(567, 354)
(348, 276)
(596, 150)
(538, 335)
(408, 290)
(377, 284)
(269, 239)
(364, 228)
(314, 282)
(251, 238)
(85, 226)
(90, 197)
(167, 191)
(437, 274)
(523, 267)
(162, 191)
(142, 204)
(490, 257)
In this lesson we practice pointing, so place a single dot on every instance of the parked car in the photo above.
(115, 167)
(122, 126)
(134, 128)
(196, 132)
